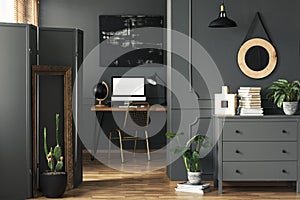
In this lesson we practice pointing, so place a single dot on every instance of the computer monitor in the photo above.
(128, 88)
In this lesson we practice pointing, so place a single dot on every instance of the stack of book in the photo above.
(250, 101)
(187, 187)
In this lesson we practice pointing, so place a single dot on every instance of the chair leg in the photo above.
(135, 141)
(121, 147)
(109, 145)
(147, 144)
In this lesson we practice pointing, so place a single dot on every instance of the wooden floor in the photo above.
(101, 182)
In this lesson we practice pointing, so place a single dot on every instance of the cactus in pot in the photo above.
(53, 182)
(53, 156)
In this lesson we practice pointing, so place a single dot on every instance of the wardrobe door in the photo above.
(64, 47)
(18, 46)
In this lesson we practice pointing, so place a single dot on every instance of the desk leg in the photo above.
(97, 133)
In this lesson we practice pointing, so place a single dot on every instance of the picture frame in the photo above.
(41, 74)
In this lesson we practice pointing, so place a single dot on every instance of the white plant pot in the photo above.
(194, 177)
(289, 108)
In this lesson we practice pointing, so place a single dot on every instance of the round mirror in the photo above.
(257, 58)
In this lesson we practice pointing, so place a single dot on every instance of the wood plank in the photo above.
(102, 182)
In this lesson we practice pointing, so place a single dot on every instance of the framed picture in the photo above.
(51, 94)
(118, 31)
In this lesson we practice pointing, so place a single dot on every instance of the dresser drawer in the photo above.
(260, 131)
(259, 151)
(260, 171)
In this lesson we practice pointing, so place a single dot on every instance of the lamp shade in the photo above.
(222, 21)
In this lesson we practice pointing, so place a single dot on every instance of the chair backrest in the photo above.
(137, 117)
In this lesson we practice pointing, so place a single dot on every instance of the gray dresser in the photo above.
(258, 148)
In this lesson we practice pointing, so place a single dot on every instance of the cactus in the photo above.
(53, 156)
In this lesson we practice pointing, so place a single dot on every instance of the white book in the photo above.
(252, 110)
(198, 191)
(190, 186)
(252, 114)
(250, 88)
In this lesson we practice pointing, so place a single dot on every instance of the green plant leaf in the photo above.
(280, 100)
(170, 135)
(57, 152)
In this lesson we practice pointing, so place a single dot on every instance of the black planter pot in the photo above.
(53, 184)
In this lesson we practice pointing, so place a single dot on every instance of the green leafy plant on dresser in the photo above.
(285, 94)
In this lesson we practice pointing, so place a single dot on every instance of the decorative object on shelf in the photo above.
(257, 56)
(250, 101)
(285, 94)
(101, 92)
(225, 104)
(191, 154)
(54, 181)
(222, 21)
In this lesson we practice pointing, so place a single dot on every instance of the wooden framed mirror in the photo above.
(257, 58)
(51, 93)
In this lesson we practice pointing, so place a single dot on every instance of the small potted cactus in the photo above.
(53, 181)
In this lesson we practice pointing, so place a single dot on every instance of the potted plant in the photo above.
(53, 181)
(285, 94)
(190, 154)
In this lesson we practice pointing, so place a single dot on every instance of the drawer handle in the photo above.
(284, 171)
(284, 131)
(237, 151)
(237, 171)
(284, 151)
(237, 131)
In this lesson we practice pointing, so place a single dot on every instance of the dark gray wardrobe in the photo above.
(18, 46)
(64, 47)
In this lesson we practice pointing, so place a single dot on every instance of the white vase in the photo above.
(289, 108)
(194, 177)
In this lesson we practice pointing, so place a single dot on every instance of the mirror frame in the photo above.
(242, 58)
(38, 70)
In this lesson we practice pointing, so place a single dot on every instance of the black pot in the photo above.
(53, 184)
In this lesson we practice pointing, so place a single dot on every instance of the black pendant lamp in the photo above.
(222, 21)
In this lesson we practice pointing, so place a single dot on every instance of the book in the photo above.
(189, 190)
(187, 187)
(250, 88)
(190, 186)
(251, 114)
(243, 93)
(250, 99)
(251, 106)
(251, 110)
(250, 102)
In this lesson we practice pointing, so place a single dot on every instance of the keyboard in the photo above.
(127, 106)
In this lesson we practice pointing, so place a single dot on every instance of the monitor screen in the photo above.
(128, 88)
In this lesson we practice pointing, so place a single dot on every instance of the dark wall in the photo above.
(281, 21)
(85, 14)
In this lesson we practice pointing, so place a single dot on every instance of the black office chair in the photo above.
(136, 118)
